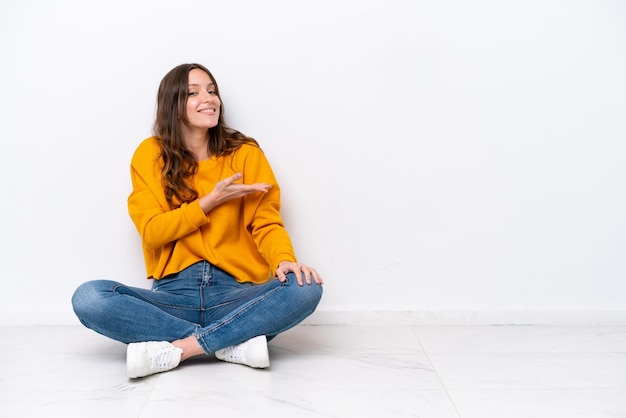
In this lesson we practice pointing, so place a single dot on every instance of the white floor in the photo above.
(329, 371)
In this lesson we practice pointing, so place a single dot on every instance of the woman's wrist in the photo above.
(206, 203)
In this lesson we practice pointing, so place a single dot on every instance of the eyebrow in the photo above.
(199, 85)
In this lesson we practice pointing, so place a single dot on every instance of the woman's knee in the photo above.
(308, 294)
(86, 297)
(315, 292)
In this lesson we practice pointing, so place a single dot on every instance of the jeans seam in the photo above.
(157, 303)
(200, 335)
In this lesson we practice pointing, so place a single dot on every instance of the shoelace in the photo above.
(163, 358)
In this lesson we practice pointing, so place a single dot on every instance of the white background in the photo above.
(434, 156)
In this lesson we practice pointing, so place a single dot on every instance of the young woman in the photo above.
(225, 278)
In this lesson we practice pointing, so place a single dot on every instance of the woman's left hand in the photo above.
(302, 272)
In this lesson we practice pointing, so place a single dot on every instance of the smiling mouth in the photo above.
(207, 111)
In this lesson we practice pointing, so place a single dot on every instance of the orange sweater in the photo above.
(244, 237)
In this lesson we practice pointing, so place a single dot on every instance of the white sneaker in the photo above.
(143, 359)
(252, 353)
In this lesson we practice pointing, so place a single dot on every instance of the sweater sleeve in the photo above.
(266, 226)
(156, 222)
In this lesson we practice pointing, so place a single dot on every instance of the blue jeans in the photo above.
(202, 300)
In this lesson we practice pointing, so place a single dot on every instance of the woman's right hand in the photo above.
(227, 189)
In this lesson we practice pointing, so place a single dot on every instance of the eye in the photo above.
(212, 92)
(193, 93)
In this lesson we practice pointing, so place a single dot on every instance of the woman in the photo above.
(225, 279)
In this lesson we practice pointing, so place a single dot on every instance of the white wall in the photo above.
(437, 157)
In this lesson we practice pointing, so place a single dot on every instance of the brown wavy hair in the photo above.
(180, 164)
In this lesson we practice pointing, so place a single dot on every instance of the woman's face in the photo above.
(203, 104)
